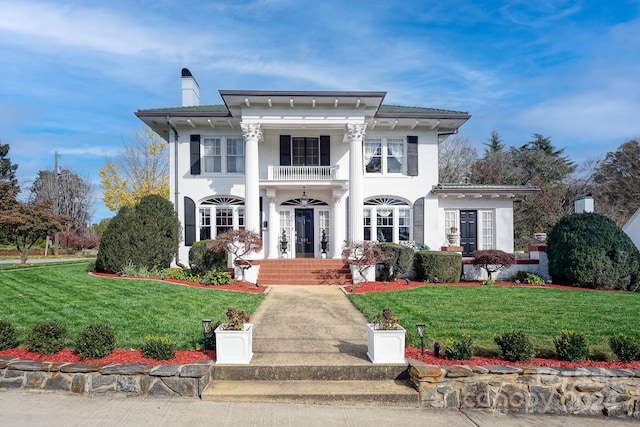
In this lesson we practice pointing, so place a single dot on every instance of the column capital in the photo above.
(355, 131)
(251, 131)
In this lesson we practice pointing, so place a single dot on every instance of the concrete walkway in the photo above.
(22, 408)
(308, 325)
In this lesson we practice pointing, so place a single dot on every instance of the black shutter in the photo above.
(194, 149)
(285, 150)
(325, 153)
(412, 155)
(189, 221)
(418, 221)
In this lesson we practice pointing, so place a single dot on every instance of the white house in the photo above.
(632, 228)
(308, 164)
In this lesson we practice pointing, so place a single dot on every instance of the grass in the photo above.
(484, 312)
(133, 308)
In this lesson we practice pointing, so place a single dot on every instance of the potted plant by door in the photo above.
(324, 244)
(385, 339)
(453, 236)
(540, 235)
(234, 340)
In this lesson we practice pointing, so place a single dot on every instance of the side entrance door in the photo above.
(304, 233)
(468, 232)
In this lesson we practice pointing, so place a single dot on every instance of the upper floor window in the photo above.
(235, 155)
(223, 155)
(384, 156)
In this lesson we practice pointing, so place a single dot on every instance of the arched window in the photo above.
(219, 214)
(387, 219)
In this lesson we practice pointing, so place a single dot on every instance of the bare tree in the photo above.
(456, 157)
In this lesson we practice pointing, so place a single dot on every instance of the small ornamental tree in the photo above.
(239, 243)
(363, 254)
(589, 250)
(493, 260)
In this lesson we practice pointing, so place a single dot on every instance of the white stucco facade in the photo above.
(308, 165)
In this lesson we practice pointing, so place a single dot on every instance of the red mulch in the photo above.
(238, 285)
(119, 356)
(414, 353)
(366, 287)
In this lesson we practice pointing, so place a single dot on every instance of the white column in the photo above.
(252, 134)
(355, 135)
(337, 227)
(274, 228)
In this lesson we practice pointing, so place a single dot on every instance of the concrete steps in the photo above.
(360, 384)
(303, 271)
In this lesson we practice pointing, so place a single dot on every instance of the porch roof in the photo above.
(475, 191)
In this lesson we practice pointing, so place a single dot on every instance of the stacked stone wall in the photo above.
(136, 379)
(535, 390)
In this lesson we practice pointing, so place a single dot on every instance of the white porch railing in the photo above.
(303, 173)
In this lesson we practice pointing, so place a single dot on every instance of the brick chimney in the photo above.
(190, 89)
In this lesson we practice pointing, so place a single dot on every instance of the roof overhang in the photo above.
(461, 191)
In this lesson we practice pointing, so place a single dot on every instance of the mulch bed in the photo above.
(238, 285)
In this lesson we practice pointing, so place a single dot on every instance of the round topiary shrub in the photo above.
(8, 335)
(159, 348)
(398, 264)
(625, 348)
(571, 346)
(588, 250)
(459, 350)
(203, 260)
(95, 341)
(515, 346)
(48, 337)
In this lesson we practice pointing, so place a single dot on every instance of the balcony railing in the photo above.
(303, 173)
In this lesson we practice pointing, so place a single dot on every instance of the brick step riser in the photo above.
(310, 373)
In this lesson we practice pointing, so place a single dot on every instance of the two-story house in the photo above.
(318, 166)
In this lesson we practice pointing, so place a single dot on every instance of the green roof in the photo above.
(399, 109)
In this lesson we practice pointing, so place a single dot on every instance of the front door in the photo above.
(304, 233)
(468, 232)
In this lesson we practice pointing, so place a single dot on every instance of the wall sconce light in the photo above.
(206, 331)
(420, 327)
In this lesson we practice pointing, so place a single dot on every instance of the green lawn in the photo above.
(134, 308)
(486, 311)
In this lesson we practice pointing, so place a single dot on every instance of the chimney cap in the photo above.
(186, 73)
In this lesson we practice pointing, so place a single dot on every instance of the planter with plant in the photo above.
(362, 258)
(234, 340)
(540, 235)
(385, 339)
(240, 244)
(453, 236)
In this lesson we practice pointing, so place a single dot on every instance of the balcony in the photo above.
(303, 173)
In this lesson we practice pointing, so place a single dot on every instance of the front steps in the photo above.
(347, 385)
(303, 271)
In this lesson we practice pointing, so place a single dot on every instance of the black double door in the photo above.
(304, 233)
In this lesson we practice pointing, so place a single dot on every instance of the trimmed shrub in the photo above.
(515, 346)
(95, 341)
(572, 346)
(91, 266)
(398, 264)
(459, 350)
(203, 260)
(146, 235)
(159, 347)
(625, 348)
(181, 274)
(214, 277)
(493, 260)
(209, 340)
(588, 250)
(437, 266)
(48, 337)
(8, 335)
(528, 278)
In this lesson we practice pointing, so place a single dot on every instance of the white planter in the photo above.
(385, 346)
(234, 347)
(369, 273)
(250, 274)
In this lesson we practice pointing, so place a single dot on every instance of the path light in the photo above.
(407, 281)
(435, 279)
(436, 349)
(420, 327)
(206, 330)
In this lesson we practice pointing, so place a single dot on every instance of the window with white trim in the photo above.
(392, 220)
(450, 220)
(384, 155)
(219, 214)
(323, 223)
(205, 223)
(487, 230)
(223, 155)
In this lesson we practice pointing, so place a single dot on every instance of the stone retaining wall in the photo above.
(136, 379)
(535, 390)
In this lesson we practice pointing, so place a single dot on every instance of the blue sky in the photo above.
(72, 73)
